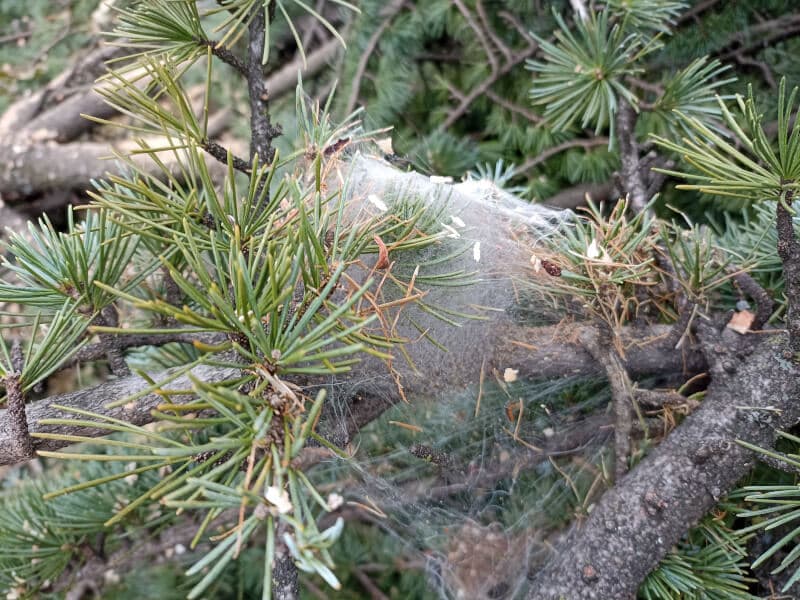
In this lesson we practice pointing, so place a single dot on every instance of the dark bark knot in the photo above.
(653, 503)
(705, 452)
(589, 574)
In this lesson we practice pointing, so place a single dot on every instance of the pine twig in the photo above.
(780, 465)
(97, 351)
(621, 394)
(789, 252)
(111, 342)
(483, 36)
(764, 304)
(285, 584)
(262, 132)
(21, 445)
(374, 591)
(558, 148)
(220, 153)
(629, 156)
(466, 101)
(225, 56)
(389, 13)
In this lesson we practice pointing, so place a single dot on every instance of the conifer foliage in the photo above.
(230, 291)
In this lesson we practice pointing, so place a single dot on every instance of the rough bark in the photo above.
(94, 399)
(262, 131)
(630, 159)
(650, 509)
(37, 163)
(33, 167)
(285, 584)
(789, 252)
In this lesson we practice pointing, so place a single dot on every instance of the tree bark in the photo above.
(637, 522)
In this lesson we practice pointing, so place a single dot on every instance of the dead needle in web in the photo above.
(371, 508)
(415, 428)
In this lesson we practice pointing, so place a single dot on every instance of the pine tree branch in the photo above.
(391, 10)
(491, 33)
(366, 582)
(262, 131)
(220, 153)
(558, 148)
(764, 304)
(761, 35)
(97, 351)
(632, 178)
(481, 35)
(540, 352)
(20, 445)
(789, 252)
(467, 99)
(110, 342)
(225, 55)
(652, 507)
(601, 349)
(575, 196)
(94, 399)
(514, 108)
(696, 11)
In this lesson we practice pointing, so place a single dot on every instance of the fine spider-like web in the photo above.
(474, 472)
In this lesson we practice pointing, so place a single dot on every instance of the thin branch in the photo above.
(110, 342)
(499, 44)
(97, 351)
(225, 55)
(781, 465)
(789, 252)
(20, 445)
(515, 108)
(661, 398)
(696, 11)
(262, 131)
(761, 35)
(764, 302)
(467, 100)
(482, 36)
(220, 153)
(569, 144)
(760, 65)
(629, 156)
(390, 12)
(575, 196)
(512, 20)
(366, 582)
(622, 397)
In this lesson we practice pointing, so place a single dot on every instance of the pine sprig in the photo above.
(758, 171)
(580, 80)
(55, 267)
